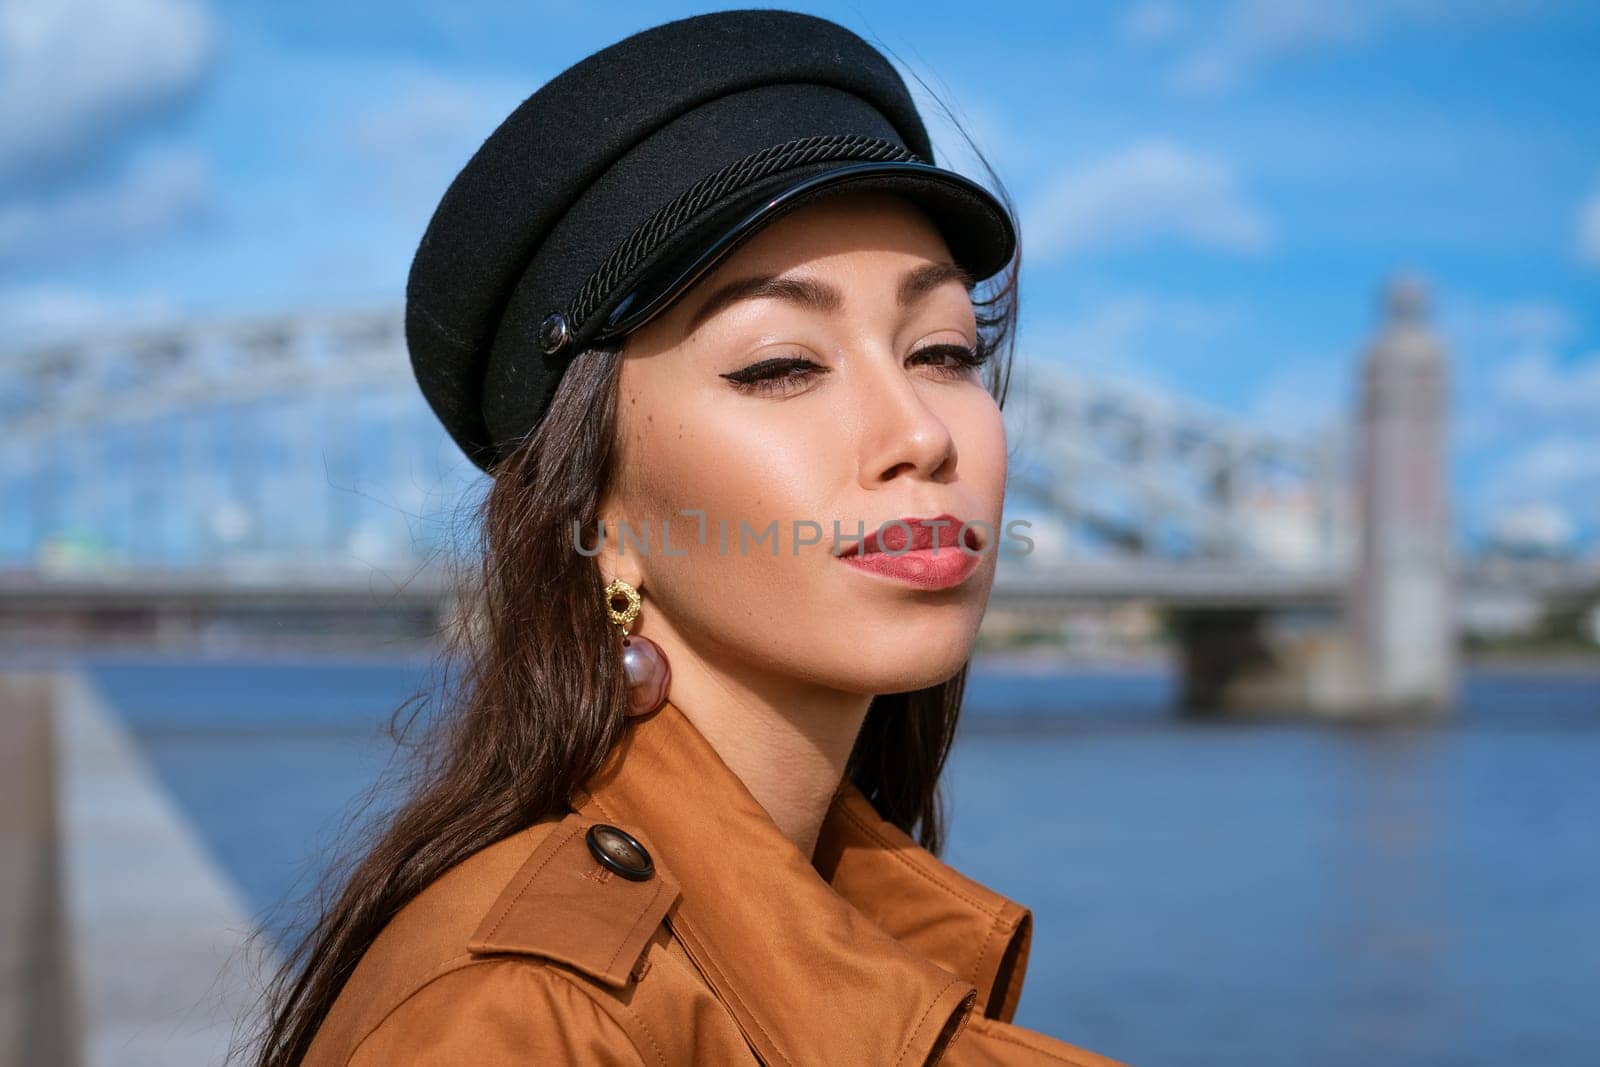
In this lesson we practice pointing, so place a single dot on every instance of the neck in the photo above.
(788, 743)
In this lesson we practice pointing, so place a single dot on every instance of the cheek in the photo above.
(745, 467)
(980, 434)
(732, 466)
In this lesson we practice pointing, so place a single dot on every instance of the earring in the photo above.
(644, 665)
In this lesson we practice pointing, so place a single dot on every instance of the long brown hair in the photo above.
(540, 699)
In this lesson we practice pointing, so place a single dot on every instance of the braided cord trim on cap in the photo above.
(742, 172)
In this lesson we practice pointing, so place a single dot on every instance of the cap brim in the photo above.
(976, 227)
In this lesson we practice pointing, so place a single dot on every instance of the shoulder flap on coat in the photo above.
(565, 906)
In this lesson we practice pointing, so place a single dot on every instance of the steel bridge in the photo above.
(286, 462)
(303, 438)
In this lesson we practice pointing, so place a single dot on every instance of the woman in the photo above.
(705, 309)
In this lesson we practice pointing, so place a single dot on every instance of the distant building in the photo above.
(1403, 616)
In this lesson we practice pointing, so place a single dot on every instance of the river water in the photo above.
(1203, 893)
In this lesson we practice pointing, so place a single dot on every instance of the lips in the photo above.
(903, 550)
(912, 534)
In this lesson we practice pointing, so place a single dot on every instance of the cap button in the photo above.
(620, 851)
(554, 332)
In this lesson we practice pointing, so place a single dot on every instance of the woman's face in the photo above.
(816, 376)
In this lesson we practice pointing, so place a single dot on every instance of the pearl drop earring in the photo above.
(644, 665)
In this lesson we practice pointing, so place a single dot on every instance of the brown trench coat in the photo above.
(737, 949)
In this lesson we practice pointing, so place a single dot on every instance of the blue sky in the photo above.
(1211, 193)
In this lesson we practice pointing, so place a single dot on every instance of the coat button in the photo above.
(620, 851)
(553, 332)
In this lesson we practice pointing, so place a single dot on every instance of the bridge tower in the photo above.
(1401, 610)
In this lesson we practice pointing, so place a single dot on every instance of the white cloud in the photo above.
(1554, 465)
(409, 129)
(1249, 34)
(1153, 21)
(74, 73)
(1504, 358)
(1127, 335)
(1537, 384)
(1516, 326)
(1252, 32)
(40, 313)
(1304, 393)
(1526, 409)
(426, 112)
(1148, 191)
(1589, 228)
(1558, 471)
(158, 190)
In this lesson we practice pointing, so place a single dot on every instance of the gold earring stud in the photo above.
(624, 615)
(644, 665)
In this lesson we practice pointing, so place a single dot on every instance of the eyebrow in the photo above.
(820, 296)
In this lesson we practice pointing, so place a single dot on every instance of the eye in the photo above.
(952, 361)
(778, 376)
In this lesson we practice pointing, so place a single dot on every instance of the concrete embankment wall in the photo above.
(120, 939)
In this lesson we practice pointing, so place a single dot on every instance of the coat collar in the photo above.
(926, 904)
(893, 948)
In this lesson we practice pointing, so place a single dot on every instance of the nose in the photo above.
(902, 434)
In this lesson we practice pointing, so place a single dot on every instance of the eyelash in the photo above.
(770, 376)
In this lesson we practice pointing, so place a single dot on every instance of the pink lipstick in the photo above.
(923, 552)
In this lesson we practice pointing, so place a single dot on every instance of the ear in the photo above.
(620, 554)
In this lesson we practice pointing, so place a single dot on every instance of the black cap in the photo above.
(623, 179)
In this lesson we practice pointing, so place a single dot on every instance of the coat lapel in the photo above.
(809, 976)
(926, 904)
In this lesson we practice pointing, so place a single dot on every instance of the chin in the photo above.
(907, 665)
